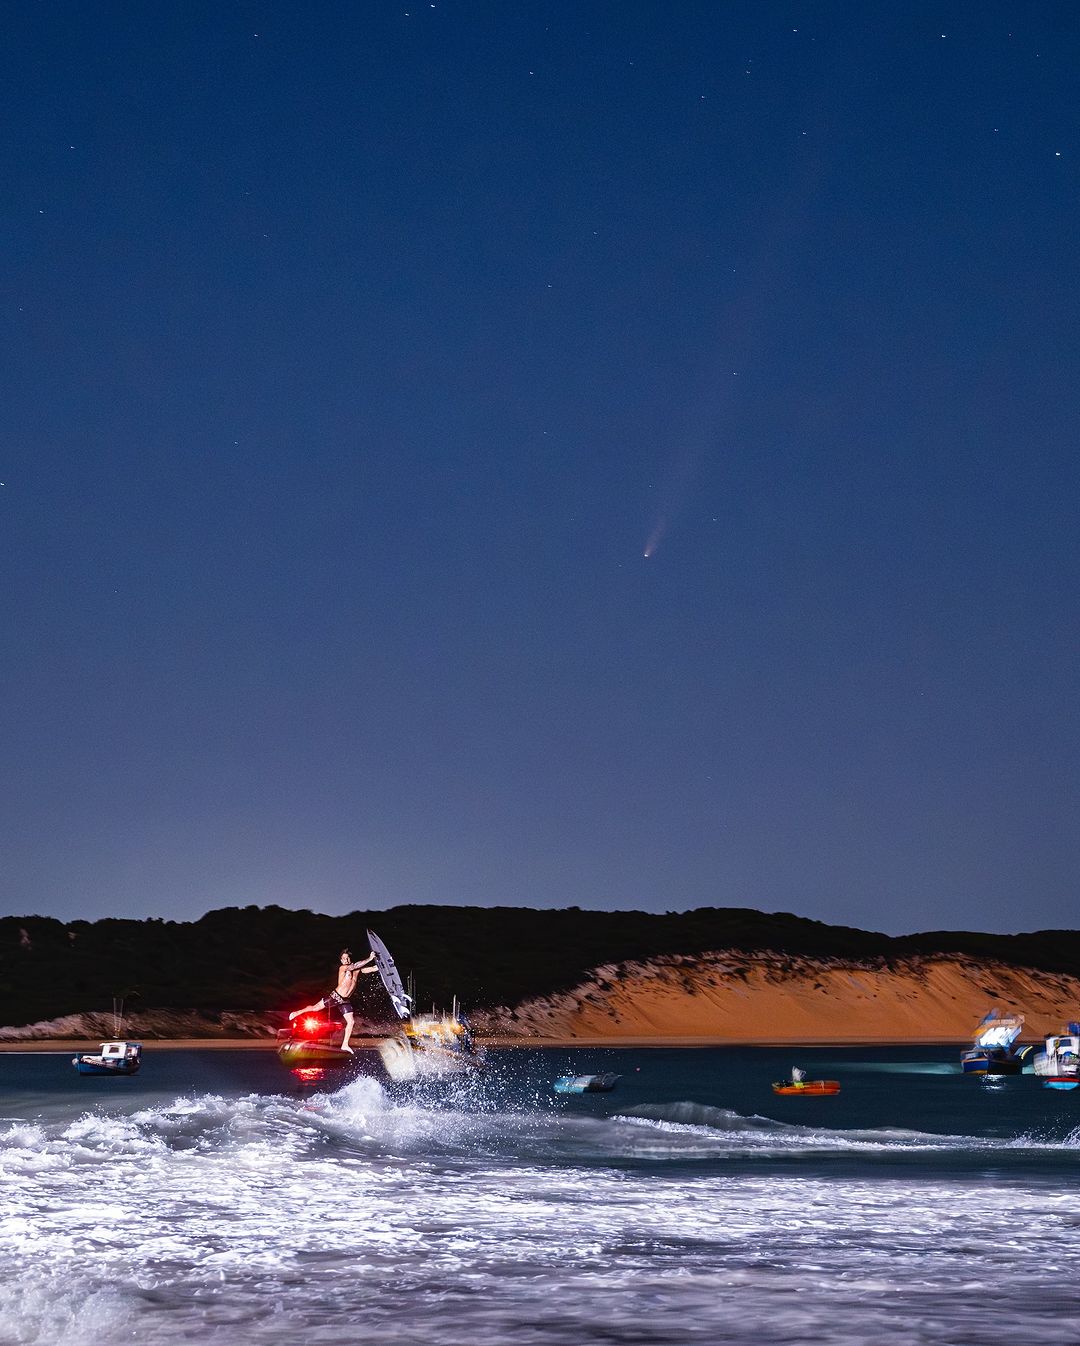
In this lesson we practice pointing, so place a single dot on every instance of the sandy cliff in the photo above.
(150, 1026)
(735, 997)
(716, 997)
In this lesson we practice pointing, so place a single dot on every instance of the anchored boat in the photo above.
(807, 1088)
(585, 1084)
(993, 1052)
(114, 1058)
(1059, 1065)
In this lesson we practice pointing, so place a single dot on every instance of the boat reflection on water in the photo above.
(310, 1074)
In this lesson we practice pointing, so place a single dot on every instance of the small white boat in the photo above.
(114, 1058)
(1059, 1065)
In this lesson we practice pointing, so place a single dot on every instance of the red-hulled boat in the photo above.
(807, 1088)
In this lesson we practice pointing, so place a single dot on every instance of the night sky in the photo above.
(613, 454)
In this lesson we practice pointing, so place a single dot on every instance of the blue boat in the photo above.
(115, 1058)
(585, 1084)
(992, 1052)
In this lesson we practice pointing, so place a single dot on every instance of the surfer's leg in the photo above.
(318, 1005)
(348, 1032)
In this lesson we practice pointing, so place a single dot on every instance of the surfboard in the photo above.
(388, 973)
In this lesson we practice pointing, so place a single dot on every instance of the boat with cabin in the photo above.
(1058, 1066)
(118, 1057)
(994, 1051)
(114, 1058)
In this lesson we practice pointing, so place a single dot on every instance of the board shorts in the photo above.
(337, 1004)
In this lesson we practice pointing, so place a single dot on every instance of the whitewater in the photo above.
(495, 1213)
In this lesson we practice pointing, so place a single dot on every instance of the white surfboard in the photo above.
(401, 1001)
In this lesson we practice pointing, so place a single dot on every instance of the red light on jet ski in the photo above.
(311, 1024)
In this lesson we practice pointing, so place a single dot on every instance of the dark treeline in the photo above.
(262, 958)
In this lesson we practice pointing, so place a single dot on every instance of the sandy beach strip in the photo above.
(32, 1045)
(46, 1045)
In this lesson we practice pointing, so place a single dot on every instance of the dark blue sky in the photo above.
(352, 356)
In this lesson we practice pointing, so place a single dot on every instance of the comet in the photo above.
(655, 537)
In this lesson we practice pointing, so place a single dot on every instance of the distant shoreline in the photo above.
(45, 1046)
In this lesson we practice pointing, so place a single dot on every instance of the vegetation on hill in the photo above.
(263, 958)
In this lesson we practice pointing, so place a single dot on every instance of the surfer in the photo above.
(339, 1000)
(797, 1075)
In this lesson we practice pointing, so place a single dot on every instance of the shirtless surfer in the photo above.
(340, 998)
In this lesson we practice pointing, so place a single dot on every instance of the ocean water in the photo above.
(212, 1200)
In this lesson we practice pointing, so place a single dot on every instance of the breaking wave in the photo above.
(269, 1219)
(703, 1120)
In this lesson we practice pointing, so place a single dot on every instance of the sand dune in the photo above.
(736, 997)
(149, 1025)
(717, 997)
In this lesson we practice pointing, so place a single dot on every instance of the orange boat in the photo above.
(815, 1088)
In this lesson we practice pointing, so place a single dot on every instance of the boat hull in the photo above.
(809, 1089)
(983, 1063)
(299, 1054)
(994, 1050)
(115, 1058)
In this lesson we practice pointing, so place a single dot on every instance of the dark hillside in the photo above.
(259, 958)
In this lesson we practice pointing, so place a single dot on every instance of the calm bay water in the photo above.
(210, 1199)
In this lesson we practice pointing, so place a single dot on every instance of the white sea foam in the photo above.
(272, 1220)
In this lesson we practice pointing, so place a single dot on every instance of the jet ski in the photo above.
(307, 1050)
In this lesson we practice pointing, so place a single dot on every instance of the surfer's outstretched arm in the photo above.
(362, 966)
